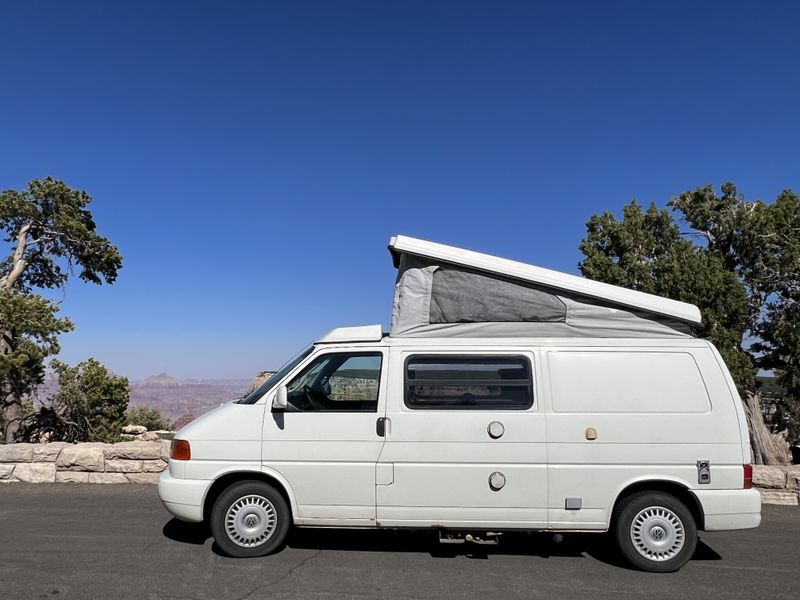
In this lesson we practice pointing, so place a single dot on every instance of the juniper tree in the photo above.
(89, 405)
(52, 237)
(738, 260)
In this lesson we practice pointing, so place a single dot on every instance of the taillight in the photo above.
(748, 476)
(180, 450)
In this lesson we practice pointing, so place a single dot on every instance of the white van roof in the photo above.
(554, 280)
(363, 333)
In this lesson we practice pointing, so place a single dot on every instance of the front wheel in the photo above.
(655, 532)
(250, 518)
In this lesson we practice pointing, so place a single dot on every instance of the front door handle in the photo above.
(380, 426)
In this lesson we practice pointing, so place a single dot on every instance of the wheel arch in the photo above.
(673, 487)
(269, 476)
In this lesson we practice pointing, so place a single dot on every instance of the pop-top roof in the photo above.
(571, 284)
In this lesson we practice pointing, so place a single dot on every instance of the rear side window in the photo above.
(468, 382)
(626, 382)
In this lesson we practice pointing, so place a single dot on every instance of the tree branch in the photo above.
(18, 259)
(704, 234)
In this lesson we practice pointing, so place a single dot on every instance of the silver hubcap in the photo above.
(657, 533)
(250, 521)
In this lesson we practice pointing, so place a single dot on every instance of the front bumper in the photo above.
(730, 509)
(183, 498)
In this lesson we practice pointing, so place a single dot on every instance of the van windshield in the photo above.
(254, 396)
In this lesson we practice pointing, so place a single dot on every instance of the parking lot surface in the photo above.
(107, 542)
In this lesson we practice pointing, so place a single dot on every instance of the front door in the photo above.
(465, 442)
(325, 443)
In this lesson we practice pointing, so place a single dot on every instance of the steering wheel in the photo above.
(310, 399)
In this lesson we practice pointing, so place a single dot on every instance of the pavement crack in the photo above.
(288, 573)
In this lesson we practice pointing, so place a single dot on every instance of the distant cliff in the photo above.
(177, 398)
(172, 397)
(260, 380)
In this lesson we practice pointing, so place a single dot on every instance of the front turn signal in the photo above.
(180, 450)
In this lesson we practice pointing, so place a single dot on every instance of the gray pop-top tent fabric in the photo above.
(436, 298)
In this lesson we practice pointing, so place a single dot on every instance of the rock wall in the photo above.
(143, 461)
(778, 485)
(125, 462)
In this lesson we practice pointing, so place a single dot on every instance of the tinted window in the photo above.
(344, 382)
(478, 383)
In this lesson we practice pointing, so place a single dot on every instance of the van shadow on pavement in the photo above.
(596, 546)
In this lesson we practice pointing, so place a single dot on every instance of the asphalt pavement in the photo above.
(109, 542)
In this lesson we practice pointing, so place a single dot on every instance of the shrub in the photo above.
(88, 407)
(147, 417)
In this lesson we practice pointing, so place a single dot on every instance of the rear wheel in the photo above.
(250, 519)
(655, 532)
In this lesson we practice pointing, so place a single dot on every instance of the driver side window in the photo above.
(341, 382)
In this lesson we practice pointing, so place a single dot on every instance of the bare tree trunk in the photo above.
(10, 403)
(764, 449)
(12, 418)
(18, 261)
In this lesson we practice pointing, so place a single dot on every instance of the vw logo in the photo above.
(250, 521)
(657, 533)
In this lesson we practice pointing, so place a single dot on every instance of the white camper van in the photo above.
(506, 397)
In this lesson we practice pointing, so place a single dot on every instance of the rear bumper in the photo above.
(183, 498)
(730, 509)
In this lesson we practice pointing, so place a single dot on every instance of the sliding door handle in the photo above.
(380, 426)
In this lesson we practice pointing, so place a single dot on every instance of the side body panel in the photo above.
(650, 423)
(327, 458)
(223, 440)
(434, 469)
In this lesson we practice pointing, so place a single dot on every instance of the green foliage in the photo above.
(739, 262)
(759, 242)
(645, 251)
(51, 224)
(89, 406)
(29, 327)
(635, 252)
(148, 417)
(780, 344)
(100, 397)
(52, 233)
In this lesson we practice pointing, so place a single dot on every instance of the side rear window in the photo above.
(468, 382)
(626, 382)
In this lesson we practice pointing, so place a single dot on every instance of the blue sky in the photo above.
(252, 159)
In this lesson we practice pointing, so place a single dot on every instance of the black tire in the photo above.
(259, 503)
(665, 536)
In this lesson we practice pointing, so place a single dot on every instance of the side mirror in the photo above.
(280, 401)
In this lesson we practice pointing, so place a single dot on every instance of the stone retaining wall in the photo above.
(142, 462)
(778, 485)
(125, 462)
